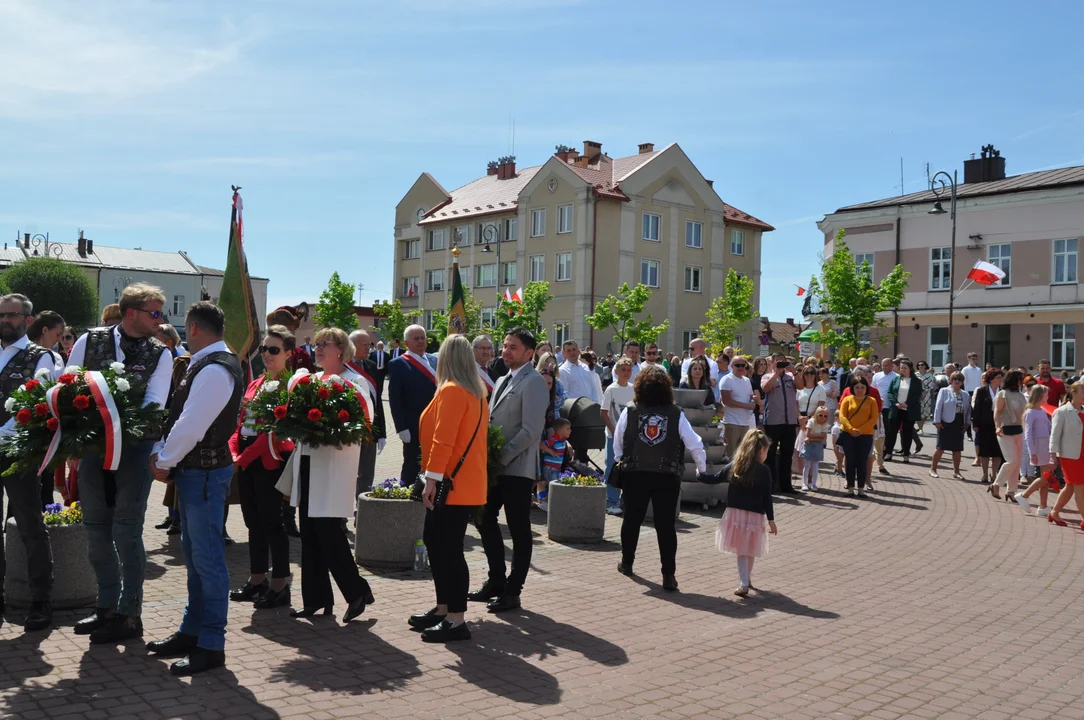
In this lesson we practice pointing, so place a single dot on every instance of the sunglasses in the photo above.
(739, 365)
(68, 337)
(155, 314)
(272, 351)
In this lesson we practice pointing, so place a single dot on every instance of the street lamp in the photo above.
(947, 181)
(41, 241)
(490, 235)
(119, 284)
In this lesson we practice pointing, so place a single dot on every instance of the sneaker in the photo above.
(616, 511)
(805, 487)
(1042, 512)
(1023, 503)
(544, 506)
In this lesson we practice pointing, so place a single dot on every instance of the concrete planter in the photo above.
(706, 495)
(74, 585)
(576, 514)
(698, 416)
(716, 454)
(710, 435)
(387, 531)
(689, 398)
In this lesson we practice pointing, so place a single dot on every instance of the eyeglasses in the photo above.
(739, 365)
(272, 351)
(324, 343)
(155, 314)
(68, 337)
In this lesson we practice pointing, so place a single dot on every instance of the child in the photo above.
(836, 430)
(1037, 449)
(553, 457)
(816, 434)
(748, 502)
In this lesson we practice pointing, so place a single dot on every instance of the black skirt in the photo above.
(986, 442)
(950, 437)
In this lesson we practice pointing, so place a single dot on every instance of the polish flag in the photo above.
(518, 297)
(985, 273)
(801, 290)
(412, 290)
(508, 295)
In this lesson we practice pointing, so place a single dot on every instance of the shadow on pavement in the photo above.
(755, 603)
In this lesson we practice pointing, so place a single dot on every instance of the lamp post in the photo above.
(489, 235)
(947, 181)
(119, 284)
(41, 241)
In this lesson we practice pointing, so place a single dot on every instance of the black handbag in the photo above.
(445, 484)
(614, 479)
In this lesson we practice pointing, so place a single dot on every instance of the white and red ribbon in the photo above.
(52, 399)
(485, 378)
(107, 407)
(422, 367)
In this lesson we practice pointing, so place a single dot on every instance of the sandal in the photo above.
(958, 476)
(933, 474)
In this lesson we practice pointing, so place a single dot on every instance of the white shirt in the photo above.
(741, 390)
(424, 359)
(614, 401)
(713, 372)
(882, 381)
(972, 377)
(380, 360)
(693, 443)
(636, 367)
(580, 381)
(45, 362)
(211, 390)
(157, 386)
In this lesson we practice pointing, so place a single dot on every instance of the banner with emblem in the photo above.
(457, 310)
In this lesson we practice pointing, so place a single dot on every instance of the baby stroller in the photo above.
(588, 430)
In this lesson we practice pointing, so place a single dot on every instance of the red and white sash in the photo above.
(422, 367)
(366, 380)
(52, 399)
(486, 379)
(107, 407)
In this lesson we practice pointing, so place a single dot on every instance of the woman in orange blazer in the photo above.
(457, 414)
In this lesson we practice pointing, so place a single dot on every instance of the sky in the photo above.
(130, 119)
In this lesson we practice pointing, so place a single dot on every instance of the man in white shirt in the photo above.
(736, 395)
(699, 348)
(632, 352)
(972, 373)
(195, 454)
(617, 396)
(883, 381)
(651, 355)
(578, 379)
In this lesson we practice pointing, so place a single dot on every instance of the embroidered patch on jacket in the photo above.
(653, 429)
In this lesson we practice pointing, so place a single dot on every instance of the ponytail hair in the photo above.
(746, 457)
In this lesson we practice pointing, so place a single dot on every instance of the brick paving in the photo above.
(929, 600)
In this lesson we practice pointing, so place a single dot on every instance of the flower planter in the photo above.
(387, 531)
(700, 416)
(577, 514)
(74, 585)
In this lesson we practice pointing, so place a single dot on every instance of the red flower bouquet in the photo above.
(317, 412)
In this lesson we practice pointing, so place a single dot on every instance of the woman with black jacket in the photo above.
(904, 410)
(982, 418)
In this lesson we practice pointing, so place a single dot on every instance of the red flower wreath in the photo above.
(280, 412)
(32, 384)
(52, 424)
(344, 416)
(66, 379)
(81, 402)
(23, 416)
(323, 393)
(41, 409)
(315, 415)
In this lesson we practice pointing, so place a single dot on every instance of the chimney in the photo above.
(790, 321)
(82, 245)
(591, 149)
(26, 241)
(711, 183)
(581, 161)
(565, 153)
(506, 167)
(987, 168)
(647, 147)
(90, 247)
(491, 168)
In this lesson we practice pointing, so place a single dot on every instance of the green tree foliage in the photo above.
(850, 301)
(394, 321)
(728, 313)
(55, 285)
(527, 314)
(336, 306)
(472, 309)
(619, 313)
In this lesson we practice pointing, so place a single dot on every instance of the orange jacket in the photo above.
(860, 415)
(444, 430)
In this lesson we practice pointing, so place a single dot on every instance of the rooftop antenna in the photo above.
(901, 178)
(929, 182)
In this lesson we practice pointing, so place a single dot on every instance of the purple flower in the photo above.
(53, 508)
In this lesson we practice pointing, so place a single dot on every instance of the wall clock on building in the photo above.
(552, 185)
(421, 214)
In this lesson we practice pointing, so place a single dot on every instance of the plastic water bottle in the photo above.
(421, 557)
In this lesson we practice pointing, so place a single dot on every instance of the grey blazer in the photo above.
(520, 412)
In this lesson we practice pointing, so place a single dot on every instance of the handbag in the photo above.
(614, 478)
(445, 484)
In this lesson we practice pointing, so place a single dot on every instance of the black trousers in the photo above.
(24, 497)
(514, 495)
(412, 459)
(366, 469)
(856, 452)
(324, 549)
(781, 453)
(662, 492)
(904, 429)
(46, 489)
(261, 505)
(445, 529)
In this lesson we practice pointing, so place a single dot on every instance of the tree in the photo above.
(850, 301)
(528, 314)
(395, 321)
(619, 313)
(728, 313)
(55, 285)
(336, 306)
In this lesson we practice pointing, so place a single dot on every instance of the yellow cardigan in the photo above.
(863, 419)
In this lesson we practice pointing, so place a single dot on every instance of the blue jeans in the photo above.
(114, 505)
(613, 495)
(201, 500)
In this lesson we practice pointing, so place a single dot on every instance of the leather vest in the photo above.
(651, 442)
(101, 350)
(212, 451)
(19, 369)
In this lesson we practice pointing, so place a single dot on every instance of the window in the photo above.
(463, 235)
(694, 234)
(688, 336)
(1063, 346)
(938, 344)
(692, 278)
(738, 343)
(179, 308)
(430, 316)
(560, 334)
(941, 268)
(564, 219)
(1065, 254)
(538, 268)
(464, 275)
(1001, 255)
(649, 273)
(538, 222)
(508, 273)
(412, 249)
(487, 316)
(434, 280)
(511, 229)
(737, 242)
(489, 232)
(651, 227)
(410, 286)
(436, 240)
(860, 258)
(564, 267)
(485, 275)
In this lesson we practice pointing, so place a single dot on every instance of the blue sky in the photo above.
(131, 119)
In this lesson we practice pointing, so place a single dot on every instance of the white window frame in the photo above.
(487, 316)
(694, 239)
(1070, 262)
(412, 249)
(931, 347)
(690, 272)
(179, 308)
(538, 222)
(430, 285)
(859, 258)
(465, 276)
(738, 342)
(485, 275)
(429, 316)
(561, 333)
(539, 262)
(645, 227)
(645, 264)
(563, 259)
(1002, 261)
(435, 240)
(687, 336)
(509, 273)
(464, 235)
(1058, 346)
(511, 229)
(407, 282)
(564, 219)
(737, 242)
(944, 267)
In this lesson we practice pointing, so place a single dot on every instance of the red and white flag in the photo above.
(985, 273)
(412, 290)
(508, 295)
(518, 297)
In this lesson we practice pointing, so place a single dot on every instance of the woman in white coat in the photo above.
(324, 482)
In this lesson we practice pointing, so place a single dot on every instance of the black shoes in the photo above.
(175, 528)
(624, 569)
(918, 445)
(490, 590)
(229, 541)
(165, 523)
(669, 583)
(89, 624)
(289, 524)
(504, 602)
(307, 612)
(175, 645)
(446, 632)
(357, 607)
(39, 617)
(197, 661)
(426, 620)
(118, 629)
(250, 592)
(273, 599)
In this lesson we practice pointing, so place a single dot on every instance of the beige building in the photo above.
(585, 223)
(1029, 225)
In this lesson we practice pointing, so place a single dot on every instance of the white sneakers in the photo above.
(1023, 502)
(1042, 512)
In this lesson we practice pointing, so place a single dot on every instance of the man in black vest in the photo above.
(196, 455)
(115, 502)
(21, 360)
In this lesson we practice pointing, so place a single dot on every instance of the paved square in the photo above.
(929, 600)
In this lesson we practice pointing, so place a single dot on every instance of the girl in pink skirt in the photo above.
(742, 529)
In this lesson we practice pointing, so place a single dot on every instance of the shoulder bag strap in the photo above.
(851, 416)
(470, 444)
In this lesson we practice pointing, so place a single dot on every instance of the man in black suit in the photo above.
(847, 375)
(396, 351)
(380, 358)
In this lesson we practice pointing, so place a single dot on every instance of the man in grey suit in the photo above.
(518, 407)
